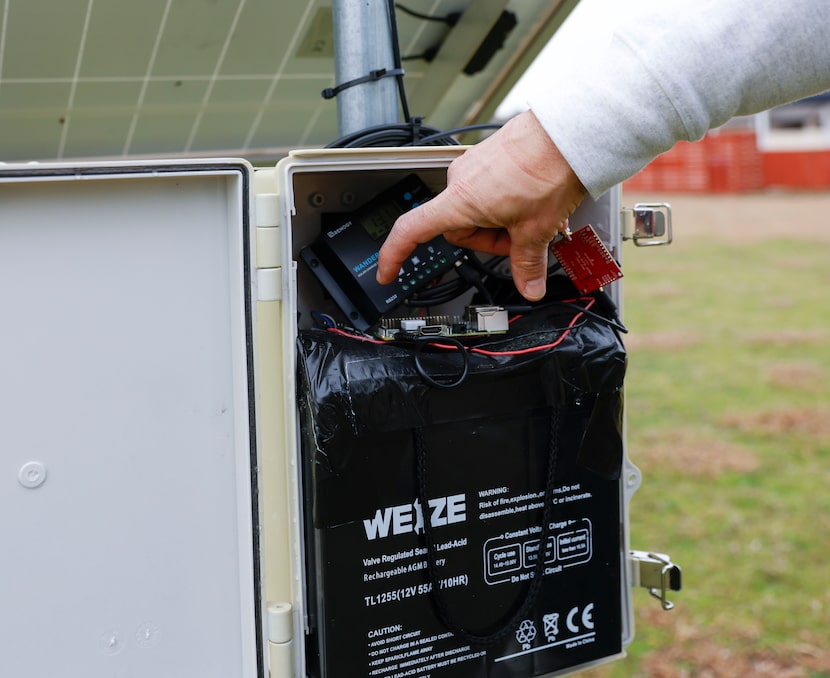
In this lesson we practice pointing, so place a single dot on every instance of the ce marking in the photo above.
(586, 618)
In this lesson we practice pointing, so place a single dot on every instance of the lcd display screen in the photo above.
(379, 221)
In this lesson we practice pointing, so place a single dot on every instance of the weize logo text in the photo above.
(410, 518)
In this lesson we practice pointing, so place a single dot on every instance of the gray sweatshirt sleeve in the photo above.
(670, 70)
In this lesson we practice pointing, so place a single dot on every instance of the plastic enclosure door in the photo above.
(128, 504)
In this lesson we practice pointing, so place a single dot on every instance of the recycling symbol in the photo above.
(525, 633)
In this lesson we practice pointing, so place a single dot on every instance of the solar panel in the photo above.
(120, 79)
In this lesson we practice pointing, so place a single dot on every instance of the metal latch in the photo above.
(647, 224)
(655, 572)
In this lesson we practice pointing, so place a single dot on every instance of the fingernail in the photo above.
(535, 289)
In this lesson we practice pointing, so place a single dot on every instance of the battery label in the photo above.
(512, 557)
(410, 517)
(486, 548)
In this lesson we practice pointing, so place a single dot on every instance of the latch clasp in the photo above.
(647, 224)
(655, 572)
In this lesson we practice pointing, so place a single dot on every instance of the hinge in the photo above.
(655, 572)
(269, 284)
(267, 247)
(267, 220)
(267, 209)
(280, 640)
(280, 623)
(647, 224)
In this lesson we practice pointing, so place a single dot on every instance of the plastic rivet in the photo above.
(147, 634)
(32, 474)
(110, 642)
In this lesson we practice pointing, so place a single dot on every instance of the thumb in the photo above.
(529, 268)
(529, 262)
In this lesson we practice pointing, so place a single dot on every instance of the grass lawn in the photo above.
(728, 410)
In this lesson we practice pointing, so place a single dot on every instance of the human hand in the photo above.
(508, 195)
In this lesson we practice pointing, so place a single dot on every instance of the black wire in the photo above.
(511, 623)
(421, 342)
(458, 130)
(427, 55)
(528, 308)
(611, 322)
(433, 301)
(440, 294)
(451, 285)
(396, 58)
(390, 134)
(488, 267)
(411, 133)
(450, 19)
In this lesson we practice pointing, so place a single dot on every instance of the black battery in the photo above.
(471, 530)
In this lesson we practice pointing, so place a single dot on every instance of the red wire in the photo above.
(359, 337)
(589, 302)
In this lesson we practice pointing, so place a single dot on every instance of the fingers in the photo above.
(417, 226)
(409, 231)
(454, 212)
(525, 243)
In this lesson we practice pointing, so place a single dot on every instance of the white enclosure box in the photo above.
(152, 501)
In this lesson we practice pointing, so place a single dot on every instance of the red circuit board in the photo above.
(586, 260)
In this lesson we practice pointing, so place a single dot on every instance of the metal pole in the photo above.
(362, 44)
